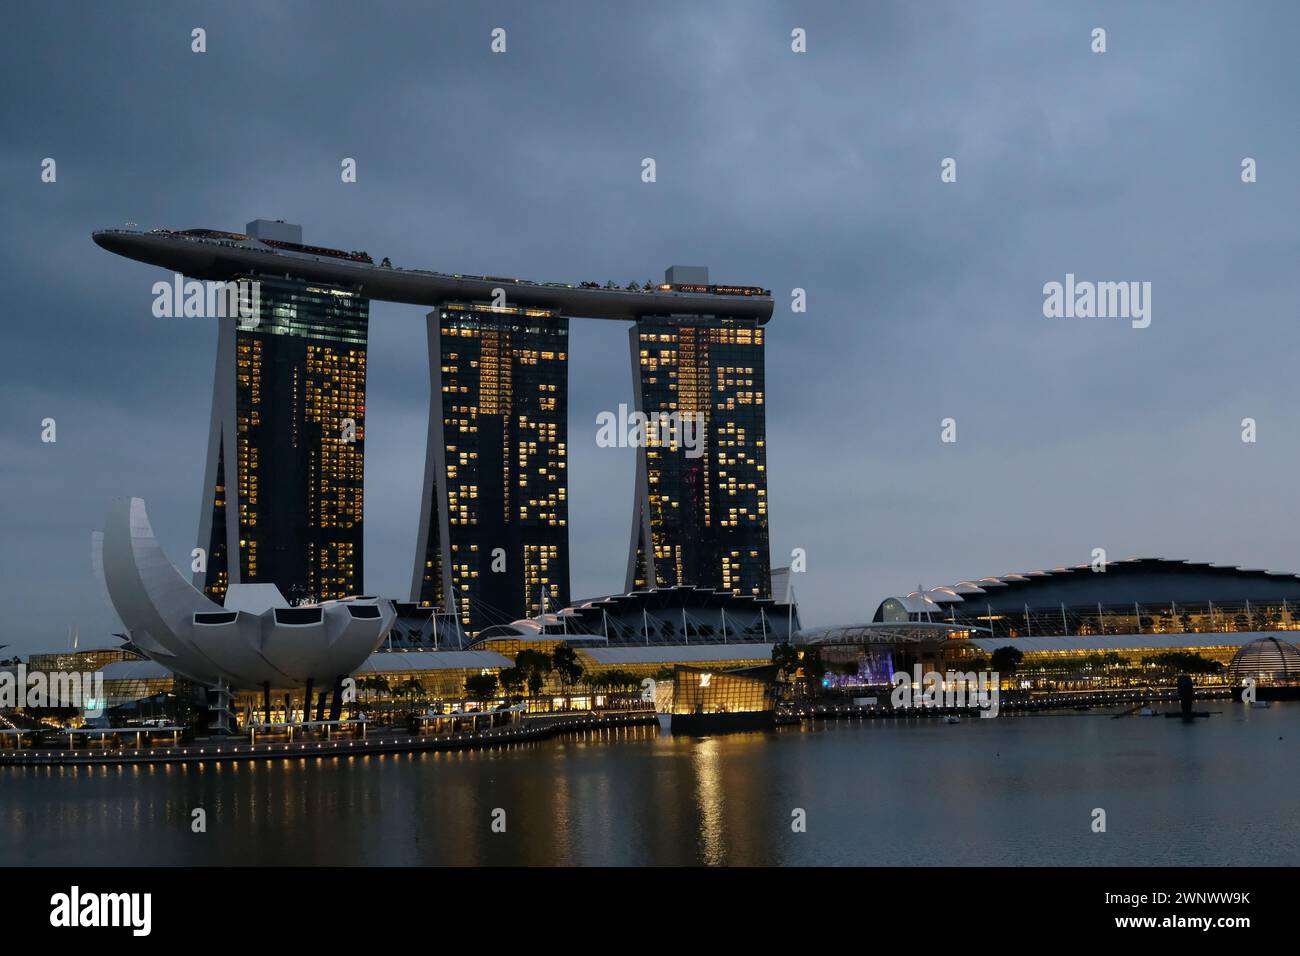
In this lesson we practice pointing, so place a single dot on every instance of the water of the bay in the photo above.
(1011, 790)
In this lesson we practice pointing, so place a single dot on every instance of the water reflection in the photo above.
(710, 801)
(1013, 790)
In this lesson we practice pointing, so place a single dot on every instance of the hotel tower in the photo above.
(283, 497)
(494, 538)
(283, 500)
(701, 519)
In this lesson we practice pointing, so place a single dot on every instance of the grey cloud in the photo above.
(818, 171)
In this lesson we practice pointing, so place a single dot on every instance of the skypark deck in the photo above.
(218, 257)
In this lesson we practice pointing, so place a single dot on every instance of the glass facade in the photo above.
(1165, 617)
(128, 690)
(707, 515)
(91, 660)
(503, 500)
(698, 691)
(298, 440)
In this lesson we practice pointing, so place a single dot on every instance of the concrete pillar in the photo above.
(288, 708)
(336, 705)
(320, 705)
(306, 700)
(266, 702)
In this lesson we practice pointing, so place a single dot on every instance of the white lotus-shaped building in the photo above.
(255, 640)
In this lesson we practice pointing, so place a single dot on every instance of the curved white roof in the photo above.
(918, 603)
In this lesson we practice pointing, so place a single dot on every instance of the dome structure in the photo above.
(1267, 659)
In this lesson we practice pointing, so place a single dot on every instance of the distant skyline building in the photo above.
(283, 496)
(701, 519)
(494, 540)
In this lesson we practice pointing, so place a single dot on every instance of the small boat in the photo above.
(1263, 704)
(1146, 712)
(951, 719)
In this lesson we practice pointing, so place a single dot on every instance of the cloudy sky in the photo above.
(818, 170)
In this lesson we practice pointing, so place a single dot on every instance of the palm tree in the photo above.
(512, 680)
(481, 687)
(564, 661)
(534, 665)
(410, 689)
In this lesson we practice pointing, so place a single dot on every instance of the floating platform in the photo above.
(704, 725)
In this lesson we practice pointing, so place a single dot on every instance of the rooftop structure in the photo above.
(214, 254)
(1133, 596)
(671, 617)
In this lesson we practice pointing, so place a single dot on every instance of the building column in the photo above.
(336, 705)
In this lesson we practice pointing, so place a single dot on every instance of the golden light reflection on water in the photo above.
(632, 797)
(711, 801)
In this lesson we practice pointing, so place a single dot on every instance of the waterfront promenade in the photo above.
(217, 749)
(1009, 703)
(540, 726)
